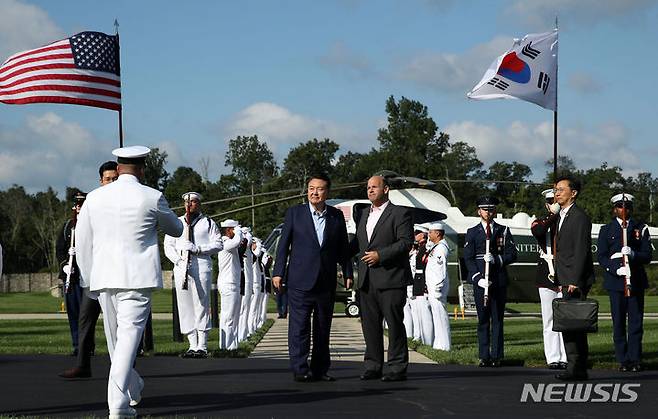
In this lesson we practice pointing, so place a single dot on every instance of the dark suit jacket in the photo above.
(300, 256)
(573, 259)
(610, 242)
(392, 238)
(501, 247)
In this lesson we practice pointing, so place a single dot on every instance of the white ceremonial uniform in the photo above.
(438, 284)
(117, 253)
(245, 304)
(421, 311)
(257, 296)
(408, 318)
(194, 303)
(263, 304)
(228, 282)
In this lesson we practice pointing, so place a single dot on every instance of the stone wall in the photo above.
(44, 282)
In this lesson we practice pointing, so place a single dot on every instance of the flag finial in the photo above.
(116, 26)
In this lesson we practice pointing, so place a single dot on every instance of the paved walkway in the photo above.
(346, 342)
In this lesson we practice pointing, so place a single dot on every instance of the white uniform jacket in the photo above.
(436, 271)
(228, 260)
(116, 235)
(206, 237)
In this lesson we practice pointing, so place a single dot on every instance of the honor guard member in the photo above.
(257, 296)
(266, 264)
(487, 271)
(228, 282)
(420, 306)
(192, 254)
(543, 229)
(438, 284)
(245, 304)
(69, 272)
(624, 257)
(117, 235)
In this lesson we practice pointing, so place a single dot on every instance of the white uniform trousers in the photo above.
(441, 323)
(424, 318)
(254, 308)
(194, 308)
(408, 319)
(124, 316)
(263, 310)
(553, 343)
(245, 305)
(229, 315)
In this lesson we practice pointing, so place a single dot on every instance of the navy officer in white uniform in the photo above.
(117, 238)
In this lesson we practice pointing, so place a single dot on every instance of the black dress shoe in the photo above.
(200, 354)
(566, 376)
(563, 365)
(303, 378)
(554, 366)
(394, 376)
(75, 372)
(190, 353)
(624, 367)
(324, 377)
(370, 375)
(74, 352)
(484, 363)
(495, 363)
(637, 367)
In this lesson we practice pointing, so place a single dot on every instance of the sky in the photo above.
(196, 74)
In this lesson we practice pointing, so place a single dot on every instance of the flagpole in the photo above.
(555, 116)
(116, 32)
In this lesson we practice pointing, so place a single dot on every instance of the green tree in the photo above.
(184, 179)
(251, 161)
(457, 173)
(513, 197)
(598, 185)
(643, 187)
(155, 174)
(307, 158)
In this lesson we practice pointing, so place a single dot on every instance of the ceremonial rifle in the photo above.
(486, 262)
(187, 232)
(624, 241)
(69, 269)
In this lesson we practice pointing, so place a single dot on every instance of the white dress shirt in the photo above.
(373, 217)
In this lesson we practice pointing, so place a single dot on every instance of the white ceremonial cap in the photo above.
(192, 195)
(229, 223)
(135, 154)
(620, 197)
(246, 230)
(436, 226)
(548, 193)
(420, 227)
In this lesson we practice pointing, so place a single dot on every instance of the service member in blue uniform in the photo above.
(611, 251)
(502, 252)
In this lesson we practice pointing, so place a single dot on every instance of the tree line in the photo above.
(410, 144)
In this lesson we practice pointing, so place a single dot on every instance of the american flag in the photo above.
(81, 70)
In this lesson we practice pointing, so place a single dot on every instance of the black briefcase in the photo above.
(575, 315)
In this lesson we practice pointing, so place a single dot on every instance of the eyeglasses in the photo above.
(562, 189)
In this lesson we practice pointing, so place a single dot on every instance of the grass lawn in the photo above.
(43, 302)
(53, 337)
(524, 345)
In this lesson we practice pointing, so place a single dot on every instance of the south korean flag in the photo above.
(528, 71)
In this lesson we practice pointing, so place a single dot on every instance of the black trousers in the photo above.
(378, 305)
(628, 341)
(90, 309)
(490, 322)
(575, 344)
(314, 307)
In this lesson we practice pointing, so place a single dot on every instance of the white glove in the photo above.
(186, 245)
(626, 250)
(488, 257)
(71, 251)
(554, 208)
(624, 271)
(484, 283)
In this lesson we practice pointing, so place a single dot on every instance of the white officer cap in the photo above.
(229, 223)
(548, 193)
(192, 195)
(421, 228)
(620, 197)
(135, 154)
(246, 230)
(436, 226)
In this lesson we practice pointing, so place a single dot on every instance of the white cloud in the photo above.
(452, 72)
(24, 26)
(584, 83)
(533, 145)
(283, 129)
(49, 151)
(540, 13)
(342, 58)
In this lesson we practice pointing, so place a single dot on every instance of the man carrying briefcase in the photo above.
(574, 268)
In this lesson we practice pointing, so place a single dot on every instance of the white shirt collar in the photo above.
(564, 211)
(382, 207)
(128, 177)
(314, 211)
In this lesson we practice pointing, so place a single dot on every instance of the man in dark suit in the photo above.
(488, 273)
(313, 241)
(619, 260)
(384, 236)
(574, 269)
